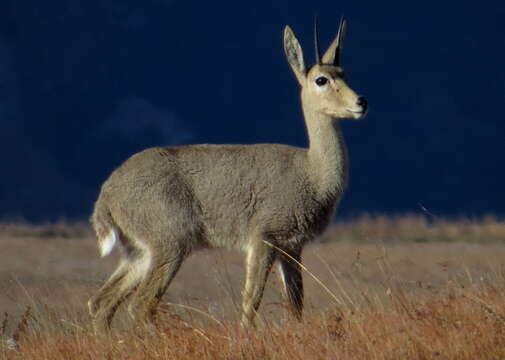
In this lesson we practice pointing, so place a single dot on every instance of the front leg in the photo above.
(259, 260)
(291, 277)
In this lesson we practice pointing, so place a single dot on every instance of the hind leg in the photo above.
(95, 303)
(163, 268)
(104, 304)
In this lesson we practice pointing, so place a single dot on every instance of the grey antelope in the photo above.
(267, 200)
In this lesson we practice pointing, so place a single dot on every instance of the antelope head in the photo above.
(323, 86)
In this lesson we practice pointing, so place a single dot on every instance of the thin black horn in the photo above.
(340, 41)
(316, 42)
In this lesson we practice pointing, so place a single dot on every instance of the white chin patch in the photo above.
(107, 244)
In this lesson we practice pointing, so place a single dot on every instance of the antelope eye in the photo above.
(320, 81)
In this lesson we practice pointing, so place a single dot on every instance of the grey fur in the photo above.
(165, 202)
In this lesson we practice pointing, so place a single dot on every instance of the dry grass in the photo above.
(401, 288)
(417, 228)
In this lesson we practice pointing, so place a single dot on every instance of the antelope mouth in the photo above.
(358, 114)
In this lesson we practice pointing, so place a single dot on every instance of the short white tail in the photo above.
(107, 244)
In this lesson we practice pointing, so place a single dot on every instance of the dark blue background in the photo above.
(86, 83)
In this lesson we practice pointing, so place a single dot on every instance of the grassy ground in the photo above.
(378, 288)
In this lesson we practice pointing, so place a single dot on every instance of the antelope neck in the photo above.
(327, 155)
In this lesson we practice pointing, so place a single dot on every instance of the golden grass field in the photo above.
(376, 288)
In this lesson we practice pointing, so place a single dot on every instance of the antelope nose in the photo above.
(362, 102)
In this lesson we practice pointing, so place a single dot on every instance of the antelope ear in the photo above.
(294, 55)
(332, 55)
